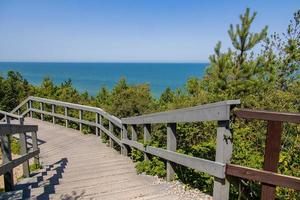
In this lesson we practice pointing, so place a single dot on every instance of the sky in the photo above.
(127, 30)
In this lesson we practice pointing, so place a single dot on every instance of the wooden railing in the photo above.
(219, 112)
(113, 122)
(6, 131)
(268, 176)
(220, 169)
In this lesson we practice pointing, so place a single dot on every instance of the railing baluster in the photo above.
(124, 148)
(171, 146)
(100, 122)
(29, 106)
(134, 132)
(23, 145)
(223, 155)
(111, 129)
(42, 109)
(147, 138)
(97, 122)
(6, 157)
(35, 146)
(53, 112)
(66, 114)
(80, 117)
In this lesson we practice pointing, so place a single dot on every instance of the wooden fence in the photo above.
(268, 176)
(6, 131)
(220, 112)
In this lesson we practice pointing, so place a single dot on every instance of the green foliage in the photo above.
(153, 167)
(15, 146)
(136, 155)
(35, 166)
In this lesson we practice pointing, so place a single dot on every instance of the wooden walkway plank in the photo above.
(81, 166)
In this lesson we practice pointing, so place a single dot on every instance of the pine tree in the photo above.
(241, 37)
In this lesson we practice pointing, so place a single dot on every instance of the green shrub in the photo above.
(153, 167)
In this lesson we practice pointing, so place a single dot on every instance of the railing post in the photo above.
(223, 155)
(171, 146)
(124, 134)
(134, 132)
(42, 109)
(35, 146)
(80, 118)
(111, 130)
(29, 106)
(6, 157)
(272, 151)
(100, 122)
(147, 138)
(23, 145)
(66, 114)
(97, 122)
(53, 112)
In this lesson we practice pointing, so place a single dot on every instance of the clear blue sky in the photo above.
(127, 30)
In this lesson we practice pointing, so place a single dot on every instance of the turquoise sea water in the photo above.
(91, 76)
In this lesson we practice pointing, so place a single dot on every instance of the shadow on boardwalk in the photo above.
(42, 186)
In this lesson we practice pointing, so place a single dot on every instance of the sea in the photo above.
(91, 77)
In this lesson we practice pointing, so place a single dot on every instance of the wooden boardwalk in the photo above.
(78, 166)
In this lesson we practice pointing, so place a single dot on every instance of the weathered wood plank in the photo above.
(171, 146)
(134, 132)
(263, 176)
(117, 140)
(271, 158)
(97, 122)
(202, 165)
(8, 129)
(25, 101)
(111, 130)
(35, 146)
(147, 138)
(80, 118)
(112, 118)
(223, 155)
(42, 108)
(10, 115)
(29, 107)
(66, 117)
(53, 112)
(6, 157)
(23, 150)
(13, 163)
(124, 134)
(268, 115)
(110, 135)
(66, 114)
(216, 111)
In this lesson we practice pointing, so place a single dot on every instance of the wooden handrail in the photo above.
(209, 112)
(10, 115)
(111, 118)
(10, 129)
(268, 115)
(263, 176)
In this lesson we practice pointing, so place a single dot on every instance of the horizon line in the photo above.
(26, 61)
